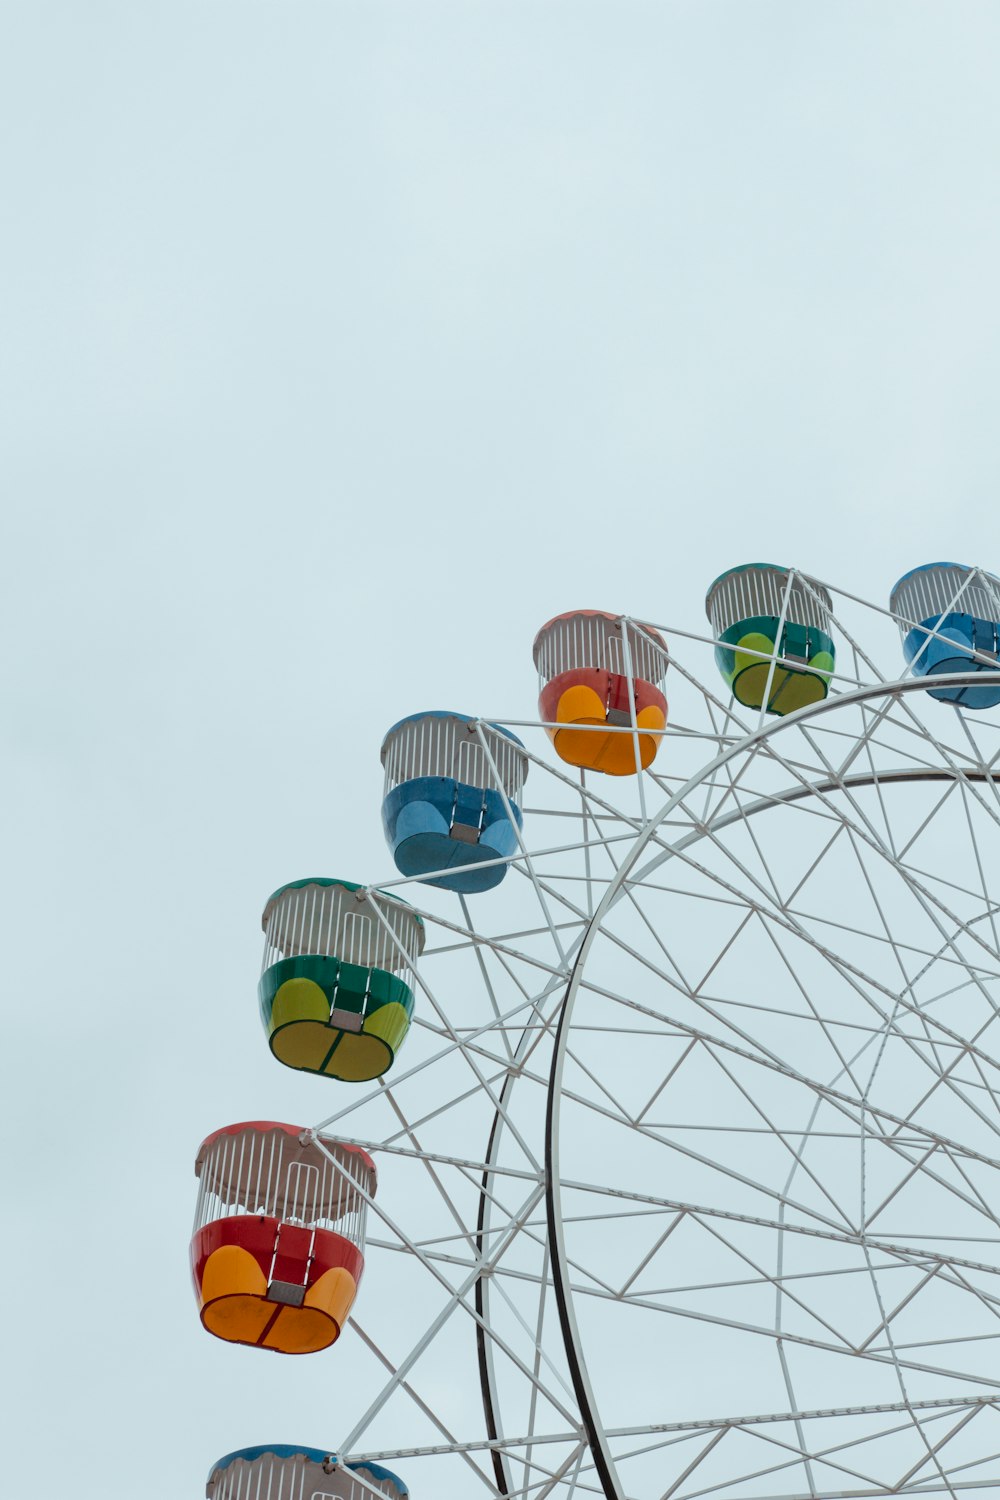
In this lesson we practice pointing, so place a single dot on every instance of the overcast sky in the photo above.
(341, 344)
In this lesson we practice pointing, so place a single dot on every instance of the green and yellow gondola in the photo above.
(772, 632)
(336, 984)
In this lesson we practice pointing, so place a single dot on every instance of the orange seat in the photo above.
(302, 1308)
(589, 699)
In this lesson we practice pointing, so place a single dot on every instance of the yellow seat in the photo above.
(614, 753)
(333, 1293)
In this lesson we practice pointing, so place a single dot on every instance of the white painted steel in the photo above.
(930, 1474)
(457, 1355)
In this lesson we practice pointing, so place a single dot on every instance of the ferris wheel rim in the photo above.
(504, 1447)
(602, 1459)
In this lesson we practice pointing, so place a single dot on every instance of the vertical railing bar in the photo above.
(199, 1207)
(330, 909)
(222, 1178)
(283, 933)
(246, 1195)
(238, 1175)
(226, 1157)
(314, 895)
(339, 933)
(223, 1148)
(272, 1200)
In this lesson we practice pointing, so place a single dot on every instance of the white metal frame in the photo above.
(472, 1122)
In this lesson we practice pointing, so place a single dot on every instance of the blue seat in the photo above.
(439, 823)
(950, 649)
(961, 605)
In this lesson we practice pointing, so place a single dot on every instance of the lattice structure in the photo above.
(689, 1169)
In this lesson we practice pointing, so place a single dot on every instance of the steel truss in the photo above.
(667, 1093)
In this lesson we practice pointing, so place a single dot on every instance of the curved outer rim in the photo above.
(603, 1461)
(484, 1345)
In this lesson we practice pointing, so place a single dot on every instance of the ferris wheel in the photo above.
(674, 1047)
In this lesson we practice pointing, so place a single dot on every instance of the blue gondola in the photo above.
(450, 804)
(284, 1471)
(949, 618)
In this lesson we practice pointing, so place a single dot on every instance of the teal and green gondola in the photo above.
(336, 987)
(772, 630)
(949, 619)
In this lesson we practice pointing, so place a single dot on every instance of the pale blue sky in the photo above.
(341, 344)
